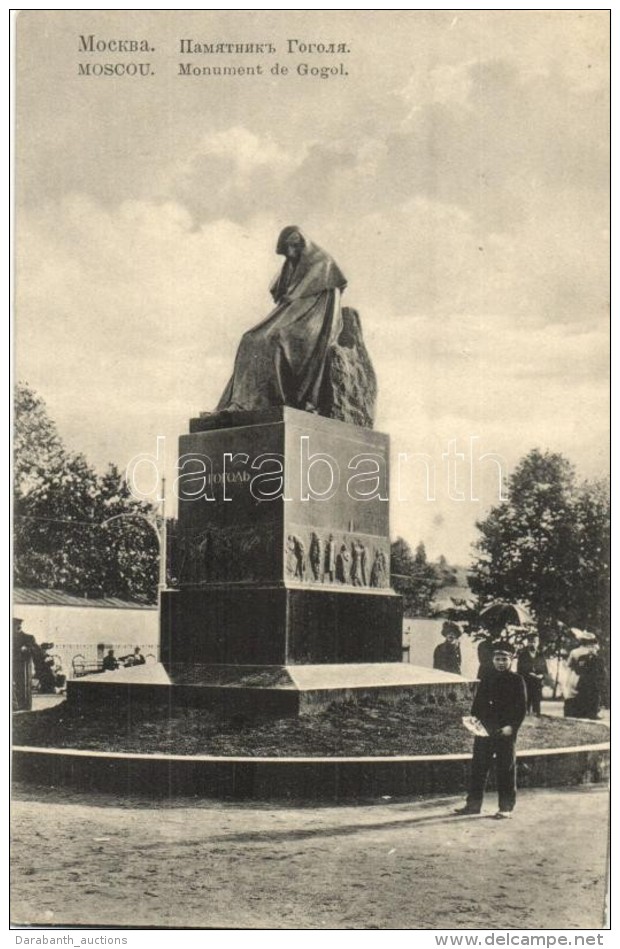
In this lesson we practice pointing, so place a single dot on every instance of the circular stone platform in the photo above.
(295, 779)
(337, 778)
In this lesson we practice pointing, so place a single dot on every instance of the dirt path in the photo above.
(90, 860)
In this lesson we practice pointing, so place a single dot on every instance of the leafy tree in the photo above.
(413, 577)
(420, 559)
(446, 575)
(37, 449)
(591, 601)
(127, 541)
(591, 607)
(61, 505)
(548, 546)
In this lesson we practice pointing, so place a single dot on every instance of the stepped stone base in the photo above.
(280, 625)
(263, 690)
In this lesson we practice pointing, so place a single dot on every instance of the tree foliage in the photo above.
(413, 577)
(548, 546)
(447, 575)
(61, 506)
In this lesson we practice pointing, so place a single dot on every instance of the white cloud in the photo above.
(130, 317)
(248, 151)
(460, 182)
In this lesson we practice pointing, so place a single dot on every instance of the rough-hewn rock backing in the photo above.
(349, 389)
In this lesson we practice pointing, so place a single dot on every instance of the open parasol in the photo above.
(496, 616)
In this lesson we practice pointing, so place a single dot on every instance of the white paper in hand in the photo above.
(475, 726)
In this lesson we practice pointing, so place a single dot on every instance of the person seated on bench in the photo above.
(137, 659)
(110, 662)
(134, 658)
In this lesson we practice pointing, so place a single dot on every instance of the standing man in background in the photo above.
(447, 655)
(532, 666)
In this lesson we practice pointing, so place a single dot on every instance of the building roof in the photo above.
(23, 596)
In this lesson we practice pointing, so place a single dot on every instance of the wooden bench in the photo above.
(82, 668)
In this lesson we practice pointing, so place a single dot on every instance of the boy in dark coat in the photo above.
(499, 704)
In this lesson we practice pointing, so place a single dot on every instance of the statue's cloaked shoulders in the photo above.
(305, 347)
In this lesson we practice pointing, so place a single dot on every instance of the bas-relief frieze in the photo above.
(336, 558)
(242, 554)
(229, 554)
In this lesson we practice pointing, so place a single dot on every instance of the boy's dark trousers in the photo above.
(502, 747)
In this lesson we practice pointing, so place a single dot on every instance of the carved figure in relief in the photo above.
(378, 572)
(182, 555)
(189, 571)
(291, 559)
(329, 560)
(203, 551)
(358, 564)
(315, 556)
(300, 558)
(343, 565)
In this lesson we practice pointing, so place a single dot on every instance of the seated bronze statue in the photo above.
(281, 361)
(308, 353)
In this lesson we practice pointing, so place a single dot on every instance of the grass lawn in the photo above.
(366, 727)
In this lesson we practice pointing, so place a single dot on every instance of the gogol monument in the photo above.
(284, 600)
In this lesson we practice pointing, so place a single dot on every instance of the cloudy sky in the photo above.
(458, 174)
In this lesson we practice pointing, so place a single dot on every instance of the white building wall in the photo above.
(88, 631)
(423, 635)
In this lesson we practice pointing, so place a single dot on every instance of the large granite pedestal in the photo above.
(283, 563)
(284, 544)
(280, 625)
